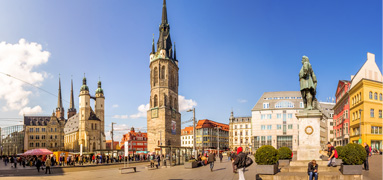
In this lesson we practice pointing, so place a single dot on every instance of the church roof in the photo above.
(72, 124)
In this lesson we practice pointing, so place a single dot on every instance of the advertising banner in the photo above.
(174, 127)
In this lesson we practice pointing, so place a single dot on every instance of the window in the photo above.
(30, 144)
(284, 117)
(95, 126)
(279, 116)
(155, 101)
(269, 140)
(380, 113)
(37, 129)
(30, 129)
(30, 137)
(284, 104)
(266, 105)
(263, 127)
(51, 129)
(55, 136)
(279, 126)
(376, 130)
(331, 131)
(372, 113)
(42, 129)
(37, 137)
(263, 116)
(346, 126)
(163, 72)
(376, 96)
(263, 140)
(285, 141)
(92, 126)
(380, 97)
(370, 95)
(37, 144)
(269, 116)
(301, 105)
(290, 126)
(42, 144)
(346, 114)
(43, 137)
(290, 116)
(235, 127)
(246, 126)
(55, 144)
(284, 128)
(268, 127)
(51, 137)
(240, 126)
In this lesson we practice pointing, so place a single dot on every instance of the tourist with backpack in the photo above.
(242, 161)
(332, 154)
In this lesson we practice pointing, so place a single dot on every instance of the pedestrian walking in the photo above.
(239, 162)
(158, 161)
(331, 155)
(38, 164)
(48, 165)
(368, 151)
(232, 157)
(313, 170)
(211, 160)
(220, 157)
(15, 161)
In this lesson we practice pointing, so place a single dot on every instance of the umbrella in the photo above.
(37, 152)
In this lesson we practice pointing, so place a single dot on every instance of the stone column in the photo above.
(309, 134)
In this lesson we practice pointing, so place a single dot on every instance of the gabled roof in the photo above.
(72, 124)
(206, 123)
(187, 131)
(274, 97)
(369, 70)
(36, 120)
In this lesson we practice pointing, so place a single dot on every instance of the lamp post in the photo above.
(218, 128)
(194, 128)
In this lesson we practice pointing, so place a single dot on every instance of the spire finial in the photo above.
(71, 105)
(153, 49)
(164, 13)
(175, 57)
(59, 101)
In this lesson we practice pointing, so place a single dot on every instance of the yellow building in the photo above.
(366, 105)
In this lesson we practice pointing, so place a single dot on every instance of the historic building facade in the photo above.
(187, 139)
(366, 104)
(240, 133)
(47, 131)
(163, 117)
(327, 108)
(342, 114)
(86, 128)
(137, 141)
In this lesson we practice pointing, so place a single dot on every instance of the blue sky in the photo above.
(229, 52)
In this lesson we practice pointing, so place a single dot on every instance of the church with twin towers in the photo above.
(163, 117)
(79, 131)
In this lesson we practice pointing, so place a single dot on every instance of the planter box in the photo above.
(267, 169)
(338, 162)
(190, 165)
(284, 162)
(351, 169)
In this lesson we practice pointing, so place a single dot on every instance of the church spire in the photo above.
(71, 106)
(59, 101)
(153, 49)
(175, 57)
(164, 13)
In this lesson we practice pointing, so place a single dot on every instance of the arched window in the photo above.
(370, 95)
(380, 97)
(163, 72)
(94, 146)
(155, 76)
(155, 101)
(376, 96)
(165, 98)
(171, 102)
(175, 103)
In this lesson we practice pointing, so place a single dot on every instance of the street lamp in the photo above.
(218, 128)
(194, 139)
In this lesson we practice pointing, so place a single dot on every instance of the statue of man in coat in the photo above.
(308, 83)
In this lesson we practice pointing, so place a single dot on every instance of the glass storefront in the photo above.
(376, 145)
(285, 141)
(12, 140)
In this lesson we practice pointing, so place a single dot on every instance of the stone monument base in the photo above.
(309, 134)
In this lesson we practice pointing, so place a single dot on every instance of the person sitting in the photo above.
(313, 170)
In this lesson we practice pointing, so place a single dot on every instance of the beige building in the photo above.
(46, 131)
(86, 128)
(240, 133)
(163, 117)
(327, 109)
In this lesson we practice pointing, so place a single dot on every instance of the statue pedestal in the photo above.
(309, 134)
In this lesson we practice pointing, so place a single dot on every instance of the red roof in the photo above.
(205, 123)
(187, 131)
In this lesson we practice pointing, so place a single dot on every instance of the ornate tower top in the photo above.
(164, 42)
(84, 87)
(99, 89)
(71, 105)
(59, 101)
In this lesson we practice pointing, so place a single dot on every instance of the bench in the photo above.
(134, 168)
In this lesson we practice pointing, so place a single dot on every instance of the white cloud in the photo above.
(120, 116)
(30, 111)
(242, 100)
(115, 106)
(185, 104)
(20, 60)
(141, 111)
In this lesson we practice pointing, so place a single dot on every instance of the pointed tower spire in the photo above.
(153, 49)
(164, 13)
(175, 57)
(59, 101)
(71, 106)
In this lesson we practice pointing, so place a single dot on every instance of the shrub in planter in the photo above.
(266, 158)
(284, 153)
(340, 150)
(353, 156)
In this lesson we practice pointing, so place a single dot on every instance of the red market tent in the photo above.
(37, 152)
